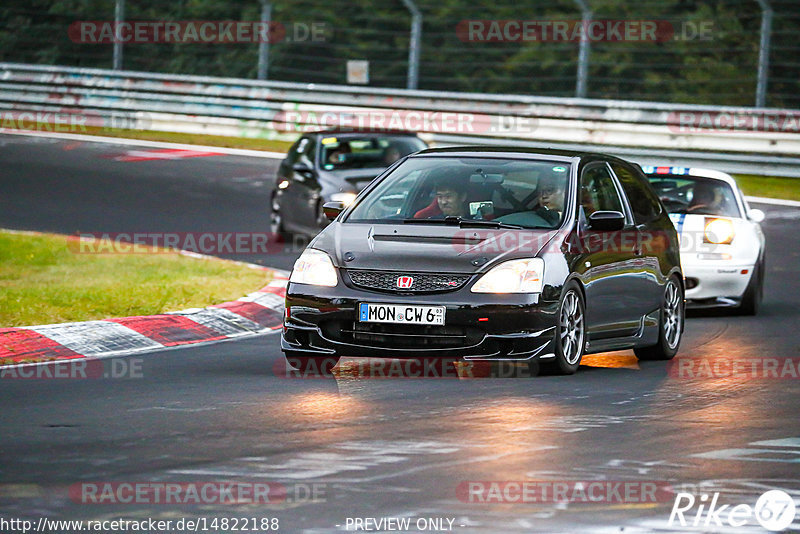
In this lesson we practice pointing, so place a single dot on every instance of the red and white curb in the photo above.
(257, 313)
(164, 154)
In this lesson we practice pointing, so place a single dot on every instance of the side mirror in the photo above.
(332, 209)
(302, 168)
(756, 215)
(606, 221)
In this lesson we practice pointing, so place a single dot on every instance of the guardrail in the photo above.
(764, 141)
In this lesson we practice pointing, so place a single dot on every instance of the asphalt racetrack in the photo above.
(388, 447)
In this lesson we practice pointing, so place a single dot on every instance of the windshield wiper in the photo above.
(464, 223)
(454, 221)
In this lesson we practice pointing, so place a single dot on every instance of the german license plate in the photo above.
(394, 313)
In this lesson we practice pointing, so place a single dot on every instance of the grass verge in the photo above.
(769, 186)
(42, 281)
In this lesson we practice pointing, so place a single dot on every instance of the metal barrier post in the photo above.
(763, 53)
(119, 17)
(414, 44)
(583, 52)
(263, 44)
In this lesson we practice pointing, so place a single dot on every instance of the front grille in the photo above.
(400, 336)
(423, 282)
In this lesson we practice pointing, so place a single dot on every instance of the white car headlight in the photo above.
(514, 276)
(719, 231)
(314, 268)
(344, 198)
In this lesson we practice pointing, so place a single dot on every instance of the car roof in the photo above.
(350, 132)
(515, 151)
(689, 171)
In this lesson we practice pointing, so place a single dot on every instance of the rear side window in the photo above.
(643, 201)
(310, 152)
(598, 192)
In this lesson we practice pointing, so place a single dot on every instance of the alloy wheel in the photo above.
(571, 327)
(673, 314)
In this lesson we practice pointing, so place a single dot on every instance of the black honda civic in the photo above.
(493, 254)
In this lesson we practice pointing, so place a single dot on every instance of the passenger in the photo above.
(550, 199)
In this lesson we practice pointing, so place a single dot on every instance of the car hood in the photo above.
(426, 248)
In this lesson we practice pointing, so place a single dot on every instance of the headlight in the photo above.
(315, 268)
(344, 198)
(718, 231)
(515, 276)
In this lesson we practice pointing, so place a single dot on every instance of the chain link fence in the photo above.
(683, 51)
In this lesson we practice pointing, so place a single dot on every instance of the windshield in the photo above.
(343, 153)
(695, 195)
(523, 193)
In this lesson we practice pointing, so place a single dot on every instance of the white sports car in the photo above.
(722, 245)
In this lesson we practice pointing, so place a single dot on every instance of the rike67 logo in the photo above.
(774, 511)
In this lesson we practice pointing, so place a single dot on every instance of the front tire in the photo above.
(276, 221)
(322, 220)
(751, 300)
(670, 325)
(570, 337)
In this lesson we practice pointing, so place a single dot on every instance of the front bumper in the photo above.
(716, 284)
(322, 321)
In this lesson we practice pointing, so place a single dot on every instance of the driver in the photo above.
(336, 156)
(705, 199)
(391, 154)
(451, 199)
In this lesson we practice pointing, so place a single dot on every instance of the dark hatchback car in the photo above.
(491, 254)
(329, 166)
